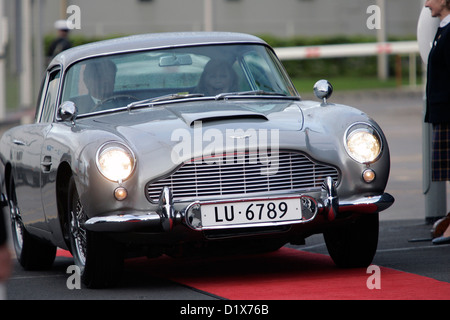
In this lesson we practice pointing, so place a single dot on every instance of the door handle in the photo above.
(19, 142)
(46, 164)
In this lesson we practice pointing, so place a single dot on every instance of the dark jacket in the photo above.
(58, 46)
(438, 78)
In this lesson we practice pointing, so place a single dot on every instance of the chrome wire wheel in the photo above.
(16, 220)
(99, 258)
(78, 232)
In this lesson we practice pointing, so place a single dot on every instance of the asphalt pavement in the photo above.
(404, 241)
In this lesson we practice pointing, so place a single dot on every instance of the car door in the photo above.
(30, 166)
(50, 152)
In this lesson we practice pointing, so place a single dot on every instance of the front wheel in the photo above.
(100, 260)
(354, 245)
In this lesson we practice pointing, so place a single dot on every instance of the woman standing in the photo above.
(438, 97)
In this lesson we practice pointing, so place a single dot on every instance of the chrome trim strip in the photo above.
(134, 221)
(368, 204)
(123, 223)
(166, 210)
(331, 199)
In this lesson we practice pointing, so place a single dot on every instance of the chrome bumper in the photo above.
(166, 216)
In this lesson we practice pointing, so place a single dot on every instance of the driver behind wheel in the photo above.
(99, 77)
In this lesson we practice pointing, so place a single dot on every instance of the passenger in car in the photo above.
(217, 77)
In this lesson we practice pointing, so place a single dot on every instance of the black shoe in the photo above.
(441, 240)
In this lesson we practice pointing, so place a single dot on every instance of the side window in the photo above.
(50, 98)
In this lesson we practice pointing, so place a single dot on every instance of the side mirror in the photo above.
(323, 90)
(68, 111)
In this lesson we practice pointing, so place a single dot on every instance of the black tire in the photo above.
(32, 253)
(354, 245)
(99, 258)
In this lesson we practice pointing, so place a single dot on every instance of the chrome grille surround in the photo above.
(243, 174)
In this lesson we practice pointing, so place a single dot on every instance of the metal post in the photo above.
(208, 15)
(3, 42)
(26, 74)
(382, 38)
(63, 9)
(38, 48)
(412, 70)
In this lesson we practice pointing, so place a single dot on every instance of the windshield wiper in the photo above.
(249, 93)
(176, 96)
(167, 97)
(184, 95)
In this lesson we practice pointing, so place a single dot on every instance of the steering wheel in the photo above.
(114, 99)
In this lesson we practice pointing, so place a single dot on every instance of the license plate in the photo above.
(251, 212)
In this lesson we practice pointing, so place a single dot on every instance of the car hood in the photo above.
(221, 115)
(159, 129)
(170, 134)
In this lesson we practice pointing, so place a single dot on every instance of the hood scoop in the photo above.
(204, 117)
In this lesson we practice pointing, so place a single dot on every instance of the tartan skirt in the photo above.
(441, 152)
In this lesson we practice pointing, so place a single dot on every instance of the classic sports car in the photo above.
(183, 144)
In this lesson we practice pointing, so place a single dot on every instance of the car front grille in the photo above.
(243, 174)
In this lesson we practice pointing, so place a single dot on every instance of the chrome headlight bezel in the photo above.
(121, 162)
(363, 143)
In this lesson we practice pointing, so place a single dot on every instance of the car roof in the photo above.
(149, 41)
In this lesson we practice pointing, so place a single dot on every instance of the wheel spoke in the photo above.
(16, 221)
(78, 217)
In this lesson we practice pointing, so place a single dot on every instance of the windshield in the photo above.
(208, 71)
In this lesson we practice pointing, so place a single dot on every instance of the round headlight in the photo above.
(115, 161)
(363, 144)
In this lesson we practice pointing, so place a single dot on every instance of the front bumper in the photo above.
(165, 217)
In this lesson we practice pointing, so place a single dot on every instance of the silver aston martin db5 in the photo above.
(186, 144)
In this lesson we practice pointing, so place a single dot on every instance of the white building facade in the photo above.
(284, 18)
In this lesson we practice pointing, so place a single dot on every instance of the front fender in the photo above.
(325, 128)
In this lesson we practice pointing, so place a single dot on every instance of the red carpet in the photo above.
(289, 274)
